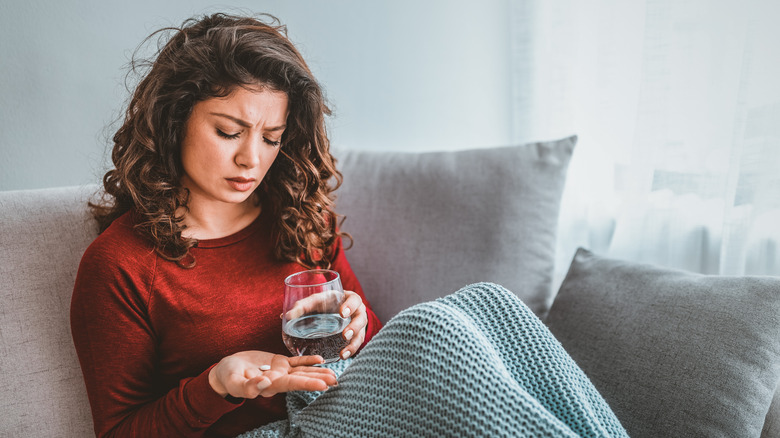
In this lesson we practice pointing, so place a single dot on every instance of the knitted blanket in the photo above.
(476, 363)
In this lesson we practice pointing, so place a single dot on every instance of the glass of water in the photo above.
(311, 319)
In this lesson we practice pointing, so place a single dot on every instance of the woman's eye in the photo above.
(273, 143)
(226, 135)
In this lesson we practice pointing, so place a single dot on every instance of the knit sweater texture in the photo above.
(147, 331)
(477, 363)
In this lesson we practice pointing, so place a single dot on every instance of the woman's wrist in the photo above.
(215, 384)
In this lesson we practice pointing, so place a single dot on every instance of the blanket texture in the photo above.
(473, 364)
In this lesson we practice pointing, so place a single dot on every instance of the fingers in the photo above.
(315, 372)
(269, 383)
(299, 382)
(358, 322)
(354, 344)
(352, 303)
(262, 384)
(239, 386)
(255, 386)
(304, 366)
(298, 361)
(355, 331)
(254, 381)
(239, 373)
(300, 308)
(252, 373)
(321, 302)
(299, 379)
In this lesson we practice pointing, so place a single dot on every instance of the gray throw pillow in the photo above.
(673, 353)
(427, 224)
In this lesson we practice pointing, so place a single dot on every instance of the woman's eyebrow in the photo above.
(246, 124)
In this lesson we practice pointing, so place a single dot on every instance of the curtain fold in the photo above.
(677, 108)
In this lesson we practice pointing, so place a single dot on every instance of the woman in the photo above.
(221, 190)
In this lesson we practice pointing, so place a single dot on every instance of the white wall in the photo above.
(400, 74)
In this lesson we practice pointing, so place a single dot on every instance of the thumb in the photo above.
(252, 387)
(262, 385)
(252, 373)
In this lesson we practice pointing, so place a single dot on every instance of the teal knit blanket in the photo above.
(477, 363)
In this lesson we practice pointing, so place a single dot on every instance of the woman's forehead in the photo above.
(249, 106)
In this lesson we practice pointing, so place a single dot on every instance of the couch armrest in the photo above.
(43, 234)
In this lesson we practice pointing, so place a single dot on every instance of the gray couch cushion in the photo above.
(426, 224)
(673, 353)
(43, 234)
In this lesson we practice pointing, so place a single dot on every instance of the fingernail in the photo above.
(265, 383)
(348, 335)
(346, 312)
(345, 354)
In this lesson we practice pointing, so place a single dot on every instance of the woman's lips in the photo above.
(241, 184)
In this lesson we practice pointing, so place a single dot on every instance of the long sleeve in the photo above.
(147, 331)
(116, 343)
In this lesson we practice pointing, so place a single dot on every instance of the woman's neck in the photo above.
(215, 221)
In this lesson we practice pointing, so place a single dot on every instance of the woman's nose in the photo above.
(248, 155)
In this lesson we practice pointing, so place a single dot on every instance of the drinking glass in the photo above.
(311, 321)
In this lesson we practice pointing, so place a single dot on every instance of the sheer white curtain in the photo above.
(677, 108)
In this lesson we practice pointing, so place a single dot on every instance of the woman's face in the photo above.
(229, 144)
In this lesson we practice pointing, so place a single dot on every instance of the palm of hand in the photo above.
(251, 373)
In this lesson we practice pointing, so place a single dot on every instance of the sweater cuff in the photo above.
(204, 403)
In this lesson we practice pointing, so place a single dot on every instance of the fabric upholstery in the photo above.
(673, 353)
(425, 224)
(43, 234)
(664, 348)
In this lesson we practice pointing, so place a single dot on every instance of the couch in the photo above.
(674, 353)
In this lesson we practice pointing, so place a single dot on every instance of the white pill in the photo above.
(265, 367)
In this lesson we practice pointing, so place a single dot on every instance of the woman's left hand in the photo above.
(355, 331)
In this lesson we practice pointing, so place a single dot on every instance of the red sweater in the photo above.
(147, 332)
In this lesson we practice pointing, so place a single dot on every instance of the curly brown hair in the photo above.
(205, 58)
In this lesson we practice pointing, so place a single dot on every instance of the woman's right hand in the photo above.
(248, 374)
